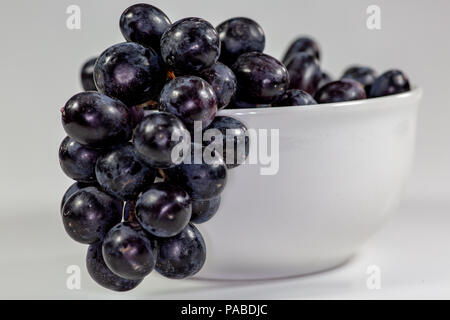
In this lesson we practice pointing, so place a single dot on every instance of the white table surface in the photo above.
(412, 252)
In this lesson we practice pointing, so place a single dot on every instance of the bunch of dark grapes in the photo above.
(302, 60)
(140, 188)
(137, 199)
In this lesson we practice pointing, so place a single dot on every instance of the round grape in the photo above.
(223, 81)
(342, 90)
(190, 99)
(128, 252)
(100, 273)
(364, 75)
(78, 161)
(304, 72)
(390, 82)
(130, 72)
(190, 45)
(144, 24)
(163, 210)
(295, 97)
(201, 178)
(156, 137)
(204, 210)
(120, 173)
(89, 213)
(70, 191)
(302, 44)
(181, 256)
(234, 141)
(96, 120)
(87, 75)
(260, 77)
(238, 36)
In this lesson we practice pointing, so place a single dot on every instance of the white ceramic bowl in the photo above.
(342, 168)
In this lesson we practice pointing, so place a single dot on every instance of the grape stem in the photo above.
(151, 104)
(163, 175)
(170, 75)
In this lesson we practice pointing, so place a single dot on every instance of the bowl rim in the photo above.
(395, 99)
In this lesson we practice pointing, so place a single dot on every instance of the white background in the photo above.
(40, 60)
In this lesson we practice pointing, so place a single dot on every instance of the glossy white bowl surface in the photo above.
(342, 168)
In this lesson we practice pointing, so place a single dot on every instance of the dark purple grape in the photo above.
(324, 79)
(130, 72)
(260, 77)
(156, 137)
(89, 213)
(390, 82)
(294, 97)
(302, 44)
(144, 24)
(364, 75)
(136, 115)
(204, 210)
(128, 252)
(235, 140)
(181, 256)
(237, 103)
(163, 210)
(70, 191)
(190, 99)
(78, 161)
(96, 120)
(87, 75)
(304, 72)
(342, 90)
(223, 81)
(190, 45)
(238, 36)
(100, 273)
(120, 173)
(202, 178)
